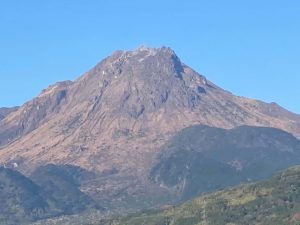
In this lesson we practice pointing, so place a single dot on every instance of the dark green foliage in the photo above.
(200, 174)
(20, 198)
(201, 158)
(272, 202)
(72, 174)
(61, 184)
(52, 191)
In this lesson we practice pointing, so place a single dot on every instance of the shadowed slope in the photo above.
(200, 158)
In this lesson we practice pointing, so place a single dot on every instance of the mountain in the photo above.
(200, 158)
(272, 202)
(24, 200)
(116, 119)
(5, 111)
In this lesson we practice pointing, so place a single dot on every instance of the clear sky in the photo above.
(251, 48)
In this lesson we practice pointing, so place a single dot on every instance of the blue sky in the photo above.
(251, 48)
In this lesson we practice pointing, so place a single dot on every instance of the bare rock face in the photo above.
(31, 115)
(117, 116)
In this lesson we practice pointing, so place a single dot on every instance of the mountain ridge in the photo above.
(5, 111)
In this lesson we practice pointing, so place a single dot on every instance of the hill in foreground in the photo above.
(46, 195)
(272, 202)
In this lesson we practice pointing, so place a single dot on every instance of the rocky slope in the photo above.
(115, 118)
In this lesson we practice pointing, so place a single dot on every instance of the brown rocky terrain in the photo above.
(4, 111)
(117, 116)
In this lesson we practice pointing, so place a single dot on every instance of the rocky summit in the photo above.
(116, 118)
